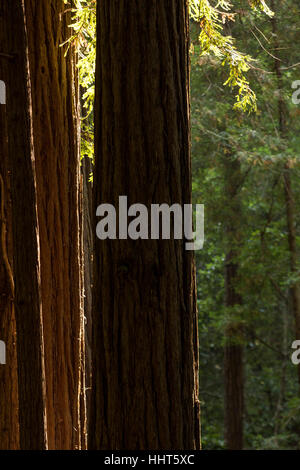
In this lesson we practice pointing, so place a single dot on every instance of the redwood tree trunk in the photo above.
(292, 242)
(88, 246)
(56, 142)
(9, 418)
(290, 206)
(13, 39)
(145, 349)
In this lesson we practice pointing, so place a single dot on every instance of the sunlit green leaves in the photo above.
(212, 19)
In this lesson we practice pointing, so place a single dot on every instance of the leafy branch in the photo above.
(212, 40)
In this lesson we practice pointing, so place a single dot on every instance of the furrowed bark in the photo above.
(88, 247)
(27, 299)
(145, 346)
(56, 140)
(9, 418)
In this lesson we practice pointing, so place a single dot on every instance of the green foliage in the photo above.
(271, 417)
(261, 5)
(84, 27)
(84, 35)
(265, 277)
(212, 41)
(212, 21)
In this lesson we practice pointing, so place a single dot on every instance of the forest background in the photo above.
(244, 64)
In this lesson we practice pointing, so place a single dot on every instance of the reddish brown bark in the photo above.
(88, 247)
(145, 351)
(56, 142)
(9, 419)
(27, 299)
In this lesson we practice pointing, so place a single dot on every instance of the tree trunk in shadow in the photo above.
(26, 261)
(233, 353)
(145, 344)
(9, 417)
(56, 141)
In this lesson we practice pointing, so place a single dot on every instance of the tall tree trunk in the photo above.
(233, 353)
(9, 418)
(56, 141)
(278, 421)
(13, 39)
(88, 246)
(292, 237)
(145, 345)
(290, 206)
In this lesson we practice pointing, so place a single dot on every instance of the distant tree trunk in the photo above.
(13, 39)
(56, 141)
(290, 206)
(292, 237)
(145, 345)
(9, 418)
(278, 425)
(88, 247)
(233, 354)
